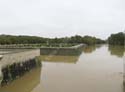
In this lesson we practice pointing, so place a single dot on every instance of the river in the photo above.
(97, 69)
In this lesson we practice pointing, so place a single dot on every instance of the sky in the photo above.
(61, 18)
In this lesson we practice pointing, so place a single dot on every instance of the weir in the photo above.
(74, 50)
(14, 65)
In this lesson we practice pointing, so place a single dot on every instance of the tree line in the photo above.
(114, 39)
(10, 39)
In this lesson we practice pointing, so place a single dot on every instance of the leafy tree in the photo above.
(117, 39)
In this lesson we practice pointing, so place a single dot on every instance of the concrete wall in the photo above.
(75, 50)
(14, 65)
(20, 56)
(25, 84)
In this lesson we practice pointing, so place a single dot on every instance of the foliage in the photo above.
(117, 39)
(9, 39)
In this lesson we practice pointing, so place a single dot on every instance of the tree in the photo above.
(117, 39)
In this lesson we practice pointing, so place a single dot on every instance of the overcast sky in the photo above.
(60, 18)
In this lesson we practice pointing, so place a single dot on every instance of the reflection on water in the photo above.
(98, 71)
(25, 83)
(59, 59)
(89, 49)
(116, 50)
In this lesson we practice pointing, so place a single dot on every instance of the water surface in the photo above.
(97, 69)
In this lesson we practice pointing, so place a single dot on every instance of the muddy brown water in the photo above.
(97, 69)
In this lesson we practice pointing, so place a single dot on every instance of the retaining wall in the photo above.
(14, 65)
(75, 50)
